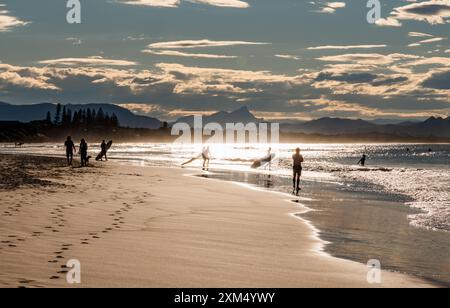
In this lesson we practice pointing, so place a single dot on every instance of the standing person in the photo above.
(269, 156)
(297, 168)
(362, 161)
(206, 155)
(70, 148)
(104, 150)
(84, 153)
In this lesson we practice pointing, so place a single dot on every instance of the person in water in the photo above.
(84, 153)
(362, 161)
(206, 155)
(297, 168)
(269, 156)
(70, 148)
(104, 150)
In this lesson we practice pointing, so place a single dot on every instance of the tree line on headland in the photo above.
(65, 117)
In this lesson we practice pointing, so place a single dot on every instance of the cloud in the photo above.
(419, 34)
(427, 41)
(438, 80)
(8, 22)
(331, 7)
(176, 3)
(92, 61)
(344, 47)
(74, 40)
(388, 22)
(385, 76)
(353, 85)
(288, 57)
(369, 58)
(433, 12)
(166, 48)
(172, 53)
(188, 44)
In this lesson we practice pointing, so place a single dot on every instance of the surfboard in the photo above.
(108, 146)
(263, 161)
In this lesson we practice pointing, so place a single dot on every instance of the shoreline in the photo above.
(336, 236)
(255, 241)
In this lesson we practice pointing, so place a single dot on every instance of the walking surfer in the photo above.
(104, 150)
(70, 148)
(206, 155)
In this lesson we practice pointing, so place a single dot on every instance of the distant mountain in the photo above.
(431, 128)
(28, 113)
(242, 115)
(330, 126)
(24, 113)
(393, 121)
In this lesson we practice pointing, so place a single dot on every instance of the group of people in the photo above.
(297, 165)
(83, 150)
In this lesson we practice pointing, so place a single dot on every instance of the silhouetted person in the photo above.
(104, 150)
(70, 148)
(84, 153)
(362, 161)
(297, 168)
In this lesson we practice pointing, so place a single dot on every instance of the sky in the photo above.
(283, 59)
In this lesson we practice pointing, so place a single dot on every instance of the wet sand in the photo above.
(360, 224)
(156, 227)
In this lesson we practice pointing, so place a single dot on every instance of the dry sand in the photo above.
(154, 227)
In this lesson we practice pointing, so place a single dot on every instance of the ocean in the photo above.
(396, 208)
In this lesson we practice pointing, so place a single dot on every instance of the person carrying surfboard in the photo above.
(206, 155)
(104, 150)
(297, 168)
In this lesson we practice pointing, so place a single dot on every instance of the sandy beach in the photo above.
(157, 227)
